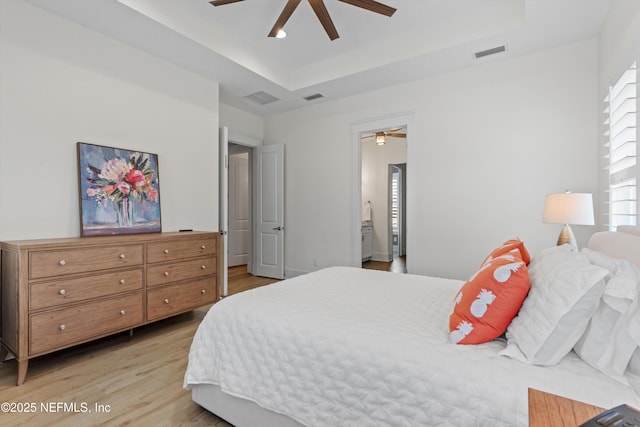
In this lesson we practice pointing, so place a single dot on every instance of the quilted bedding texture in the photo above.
(351, 347)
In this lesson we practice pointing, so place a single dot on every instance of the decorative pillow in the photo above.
(508, 246)
(613, 333)
(487, 303)
(565, 292)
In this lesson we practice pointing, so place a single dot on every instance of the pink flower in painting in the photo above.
(135, 178)
(124, 188)
(115, 169)
(120, 179)
(109, 189)
(153, 195)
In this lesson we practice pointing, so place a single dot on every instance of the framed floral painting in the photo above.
(119, 191)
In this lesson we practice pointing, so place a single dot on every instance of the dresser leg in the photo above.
(22, 371)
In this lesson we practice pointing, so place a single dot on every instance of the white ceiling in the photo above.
(229, 43)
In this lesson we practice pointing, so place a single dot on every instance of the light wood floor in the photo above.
(138, 378)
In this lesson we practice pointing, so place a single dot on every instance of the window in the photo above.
(622, 142)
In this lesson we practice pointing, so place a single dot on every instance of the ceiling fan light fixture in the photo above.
(321, 12)
(380, 140)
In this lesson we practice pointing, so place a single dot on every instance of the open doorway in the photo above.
(257, 223)
(240, 161)
(398, 209)
(357, 131)
(383, 193)
(250, 250)
(238, 217)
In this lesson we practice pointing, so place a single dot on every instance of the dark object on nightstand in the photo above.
(620, 416)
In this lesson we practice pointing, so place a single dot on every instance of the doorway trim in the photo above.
(251, 143)
(357, 129)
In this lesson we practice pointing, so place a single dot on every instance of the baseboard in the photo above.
(382, 256)
(289, 273)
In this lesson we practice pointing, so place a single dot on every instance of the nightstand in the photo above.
(546, 409)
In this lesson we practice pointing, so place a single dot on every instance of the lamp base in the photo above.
(567, 237)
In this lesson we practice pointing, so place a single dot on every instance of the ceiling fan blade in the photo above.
(372, 5)
(284, 17)
(222, 2)
(396, 135)
(323, 15)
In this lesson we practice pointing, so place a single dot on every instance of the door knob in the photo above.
(278, 228)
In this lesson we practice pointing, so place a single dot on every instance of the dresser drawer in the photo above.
(60, 328)
(55, 293)
(173, 299)
(81, 260)
(162, 274)
(180, 249)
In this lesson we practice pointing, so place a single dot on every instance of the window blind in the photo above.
(621, 142)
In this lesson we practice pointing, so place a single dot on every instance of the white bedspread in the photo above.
(353, 347)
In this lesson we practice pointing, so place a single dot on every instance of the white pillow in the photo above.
(634, 363)
(565, 292)
(613, 333)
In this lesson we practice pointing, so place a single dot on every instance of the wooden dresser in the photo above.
(56, 293)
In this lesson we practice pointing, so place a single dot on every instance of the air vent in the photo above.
(314, 96)
(491, 51)
(262, 98)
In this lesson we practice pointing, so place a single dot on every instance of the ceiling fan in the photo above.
(381, 137)
(321, 12)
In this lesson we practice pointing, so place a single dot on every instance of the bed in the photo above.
(351, 347)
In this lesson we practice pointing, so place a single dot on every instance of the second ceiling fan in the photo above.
(321, 12)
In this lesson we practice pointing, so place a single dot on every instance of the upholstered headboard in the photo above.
(624, 243)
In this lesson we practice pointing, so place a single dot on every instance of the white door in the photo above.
(223, 206)
(269, 211)
(238, 208)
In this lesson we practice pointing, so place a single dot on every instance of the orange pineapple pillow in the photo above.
(486, 304)
(508, 246)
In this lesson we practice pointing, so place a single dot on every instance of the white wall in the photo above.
(242, 123)
(61, 83)
(490, 142)
(375, 188)
(619, 46)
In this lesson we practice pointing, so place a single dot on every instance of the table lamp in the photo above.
(568, 208)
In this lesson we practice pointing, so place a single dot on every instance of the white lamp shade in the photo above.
(568, 208)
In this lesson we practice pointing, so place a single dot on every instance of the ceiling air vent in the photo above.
(262, 98)
(314, 96)
(491, 51)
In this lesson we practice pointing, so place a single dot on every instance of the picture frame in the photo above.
(119, 191)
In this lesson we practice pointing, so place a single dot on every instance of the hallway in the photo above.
(398, 265)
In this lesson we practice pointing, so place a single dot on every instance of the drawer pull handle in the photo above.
(62, 291)
(166, 300)
(62, 262)
(203, 291)
(122, 256)
(122, 312)
(62, 327)
(166, 251)
(204, 267)
(203, 247)
(122, 281)
(166, 273)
